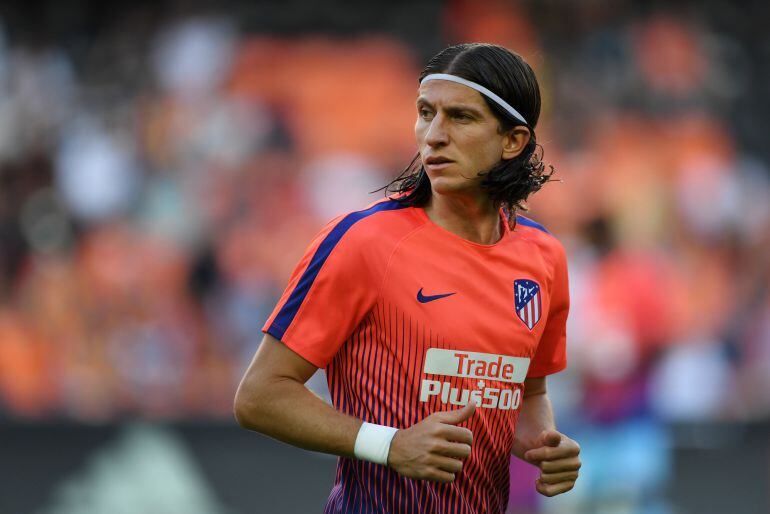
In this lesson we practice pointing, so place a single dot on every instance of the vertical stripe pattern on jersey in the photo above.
(376, 376)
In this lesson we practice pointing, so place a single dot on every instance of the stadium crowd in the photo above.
(157, 188)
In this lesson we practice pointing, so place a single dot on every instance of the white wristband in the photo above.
(373, 443)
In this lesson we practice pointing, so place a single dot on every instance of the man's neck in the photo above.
(474, 219)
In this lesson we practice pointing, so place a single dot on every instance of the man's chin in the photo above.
(452, 185)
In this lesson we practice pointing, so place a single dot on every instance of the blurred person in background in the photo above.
(440, 296)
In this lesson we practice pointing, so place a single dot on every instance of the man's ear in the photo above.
(514, 141)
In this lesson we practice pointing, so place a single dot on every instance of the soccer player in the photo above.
(437, 313)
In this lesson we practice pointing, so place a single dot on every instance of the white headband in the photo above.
(481, 89)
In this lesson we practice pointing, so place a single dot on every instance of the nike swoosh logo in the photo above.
(425, 299)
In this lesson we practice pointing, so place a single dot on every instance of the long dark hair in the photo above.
(510, 182)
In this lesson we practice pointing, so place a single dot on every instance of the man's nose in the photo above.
(437, 134)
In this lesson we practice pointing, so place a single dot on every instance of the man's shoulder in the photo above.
(541, 236)
(379, 223)
(374, 230)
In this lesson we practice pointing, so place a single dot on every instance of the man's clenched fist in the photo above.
(557, 456)
(433, 449)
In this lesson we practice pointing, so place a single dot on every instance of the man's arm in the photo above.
(272, 399)
(538, 442)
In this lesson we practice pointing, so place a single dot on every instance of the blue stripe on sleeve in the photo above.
(287, 313)
(529, 223)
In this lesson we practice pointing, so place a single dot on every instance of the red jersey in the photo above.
(409, 319)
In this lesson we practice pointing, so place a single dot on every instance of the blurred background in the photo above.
(164, 164)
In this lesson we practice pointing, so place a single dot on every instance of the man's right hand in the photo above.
(434, 448)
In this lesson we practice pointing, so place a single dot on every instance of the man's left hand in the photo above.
(557, 457)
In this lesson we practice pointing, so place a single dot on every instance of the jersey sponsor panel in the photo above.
(491, 376)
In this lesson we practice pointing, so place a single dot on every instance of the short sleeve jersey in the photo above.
(409, 319)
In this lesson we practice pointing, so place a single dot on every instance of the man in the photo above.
(437, 314)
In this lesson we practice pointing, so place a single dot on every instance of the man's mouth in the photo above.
(437, 160)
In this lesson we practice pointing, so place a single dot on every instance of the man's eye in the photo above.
(425, 113)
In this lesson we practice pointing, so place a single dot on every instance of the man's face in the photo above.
(458, 136)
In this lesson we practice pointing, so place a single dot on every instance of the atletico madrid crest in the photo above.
(528, 307)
